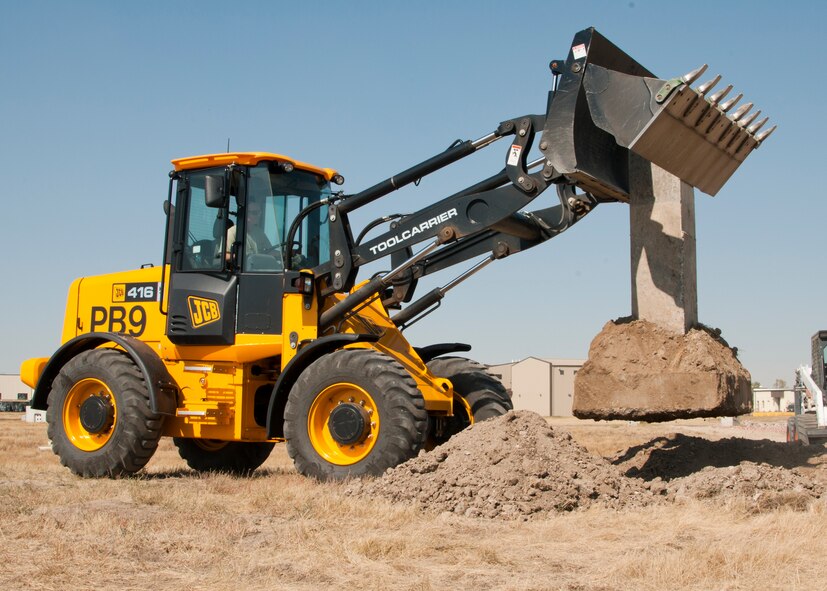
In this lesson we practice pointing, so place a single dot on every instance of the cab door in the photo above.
(203, 291)
(259, 256)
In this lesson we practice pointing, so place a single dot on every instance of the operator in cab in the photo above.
(256, 240)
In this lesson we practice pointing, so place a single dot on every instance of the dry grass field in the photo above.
(171, 528)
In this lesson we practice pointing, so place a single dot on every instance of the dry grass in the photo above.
(172, 528)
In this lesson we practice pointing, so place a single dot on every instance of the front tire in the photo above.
(353, 412)
(478, 395)
(232, 457)
(99, 417)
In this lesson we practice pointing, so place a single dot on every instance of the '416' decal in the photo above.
(135, 292)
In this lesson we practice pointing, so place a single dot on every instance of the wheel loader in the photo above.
(255, 329)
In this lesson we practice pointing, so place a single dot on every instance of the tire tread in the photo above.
(405, 414)
(137, 428)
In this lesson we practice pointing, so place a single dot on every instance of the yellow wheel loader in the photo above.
(254, 330)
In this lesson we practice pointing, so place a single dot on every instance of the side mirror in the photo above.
(215, 193)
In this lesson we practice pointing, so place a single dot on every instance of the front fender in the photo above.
(432, 351)
(163, 391)
(288, 377)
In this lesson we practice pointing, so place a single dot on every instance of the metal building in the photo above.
(14, 394)
(545, 386)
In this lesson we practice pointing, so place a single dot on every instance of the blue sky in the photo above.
(97, 97)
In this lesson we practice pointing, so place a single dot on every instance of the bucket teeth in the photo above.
(756, 126)
(707, 86)
(741, 111)
(749, 118)
(764, 134)
(695, 125)
(718, 96)
(725, 107)
(693, 75)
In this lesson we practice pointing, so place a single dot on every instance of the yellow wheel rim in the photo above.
(461, 406)
(318, 427)
(75, 431)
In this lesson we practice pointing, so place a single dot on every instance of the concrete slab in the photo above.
(662, 237)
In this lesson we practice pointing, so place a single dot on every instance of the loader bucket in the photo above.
(607, 104)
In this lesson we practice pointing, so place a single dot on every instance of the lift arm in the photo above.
(602, 106)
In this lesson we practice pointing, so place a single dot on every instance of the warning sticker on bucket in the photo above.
(579, 51)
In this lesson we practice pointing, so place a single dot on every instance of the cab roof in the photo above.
(246, 159)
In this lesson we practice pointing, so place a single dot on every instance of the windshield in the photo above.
(274, 199)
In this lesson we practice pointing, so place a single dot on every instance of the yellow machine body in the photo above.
(217, 385)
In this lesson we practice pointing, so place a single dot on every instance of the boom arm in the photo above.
(605, 105)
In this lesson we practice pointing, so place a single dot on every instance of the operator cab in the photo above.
(229, 242)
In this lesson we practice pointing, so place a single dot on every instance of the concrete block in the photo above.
(656, 366)
(662, 236)
(34, 416)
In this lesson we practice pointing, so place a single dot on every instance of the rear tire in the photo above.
(232, 457)
(478, 395)
(353, 412)
(100, 422)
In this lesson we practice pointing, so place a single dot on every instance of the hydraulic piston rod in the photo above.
(372, 287)
(405, 317)
(406, 177)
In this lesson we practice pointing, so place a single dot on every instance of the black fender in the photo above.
(432, 351)
(306, 355)
(163, 391)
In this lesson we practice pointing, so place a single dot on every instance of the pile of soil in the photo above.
(638, 370)
(677, 455)
(517, 467)
(760, 473)
(513, 466)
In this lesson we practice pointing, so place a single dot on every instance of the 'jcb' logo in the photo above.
(203, 311)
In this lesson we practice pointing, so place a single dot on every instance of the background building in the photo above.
(545, 386)
(14, 394)
(772, 399)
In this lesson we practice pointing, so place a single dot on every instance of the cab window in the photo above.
(207, 229)
(274, 199)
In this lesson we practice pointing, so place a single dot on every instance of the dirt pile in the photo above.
(518, 467)
(512, 467)
(762, 473)
(638, 370)
(677, 455)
